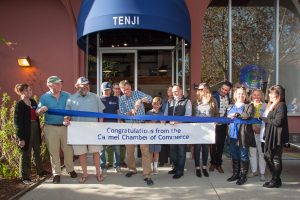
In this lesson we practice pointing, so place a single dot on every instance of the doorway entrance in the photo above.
(150, 70)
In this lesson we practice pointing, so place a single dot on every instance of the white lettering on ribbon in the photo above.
(126, 20)
(140, 133)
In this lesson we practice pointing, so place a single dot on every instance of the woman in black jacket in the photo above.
(276, 134)
(28, 132)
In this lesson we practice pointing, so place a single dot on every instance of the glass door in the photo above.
(118, 65)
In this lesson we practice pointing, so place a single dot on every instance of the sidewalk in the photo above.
(189, 187)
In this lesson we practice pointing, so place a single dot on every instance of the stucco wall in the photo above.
(45, 31)
(197, 11)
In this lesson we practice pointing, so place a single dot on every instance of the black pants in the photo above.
(273, 160)
(216, 150)
(25, 159)
(164, 154)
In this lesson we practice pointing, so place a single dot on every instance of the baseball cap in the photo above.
(82, 81)
(53, 79)
(106, 86)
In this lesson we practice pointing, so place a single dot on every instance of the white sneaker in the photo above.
(262, 177)
(155, 171)
(252, 174)
(104, 172)
(118, 170)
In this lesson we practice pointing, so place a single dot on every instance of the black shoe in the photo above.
(56, 179)
(26, 181)
(73, 174)
(177, 176)
(129, 174)
(273, 184)
(149, 181)
(198, 173)
(242, 180)
(173, 171)
(266, 184)
(205, 173)
(44, 173)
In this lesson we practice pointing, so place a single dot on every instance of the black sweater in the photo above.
(22, 120)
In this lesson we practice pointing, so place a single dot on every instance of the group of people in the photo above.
(265, 140)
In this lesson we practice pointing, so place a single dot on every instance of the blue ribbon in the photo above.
(219, 120)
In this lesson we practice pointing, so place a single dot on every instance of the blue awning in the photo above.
(169, 16)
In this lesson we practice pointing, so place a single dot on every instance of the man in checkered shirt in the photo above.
(131, 103)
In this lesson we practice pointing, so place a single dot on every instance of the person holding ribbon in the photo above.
(257, 98)
(111, 104)
(84, 100)
(276, 134)
(178, 106)
(205, 106)
(131, 103)
(55, 131)
(28, 132)
(241, 136)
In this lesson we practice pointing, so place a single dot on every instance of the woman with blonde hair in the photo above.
(276, 134)
(257, 98)
(204, 106)
(241, 136)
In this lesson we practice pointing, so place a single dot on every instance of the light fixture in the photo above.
(24, 61)
(163, 69)
(107, 71)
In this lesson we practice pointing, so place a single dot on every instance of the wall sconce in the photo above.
(24, 61)
(196, 85)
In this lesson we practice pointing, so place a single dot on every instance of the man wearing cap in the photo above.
(111, 106)
(84, 100)
(131, 103)
(55, 131)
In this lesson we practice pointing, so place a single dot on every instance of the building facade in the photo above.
(210, 41)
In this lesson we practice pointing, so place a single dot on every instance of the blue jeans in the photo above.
(117, 157)
(238, 152)
(197, 148)
(178, 156)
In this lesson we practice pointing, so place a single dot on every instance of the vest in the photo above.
(177, 109)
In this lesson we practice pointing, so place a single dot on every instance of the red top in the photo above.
(33, 116)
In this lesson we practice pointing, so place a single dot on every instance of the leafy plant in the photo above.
(9, 150)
